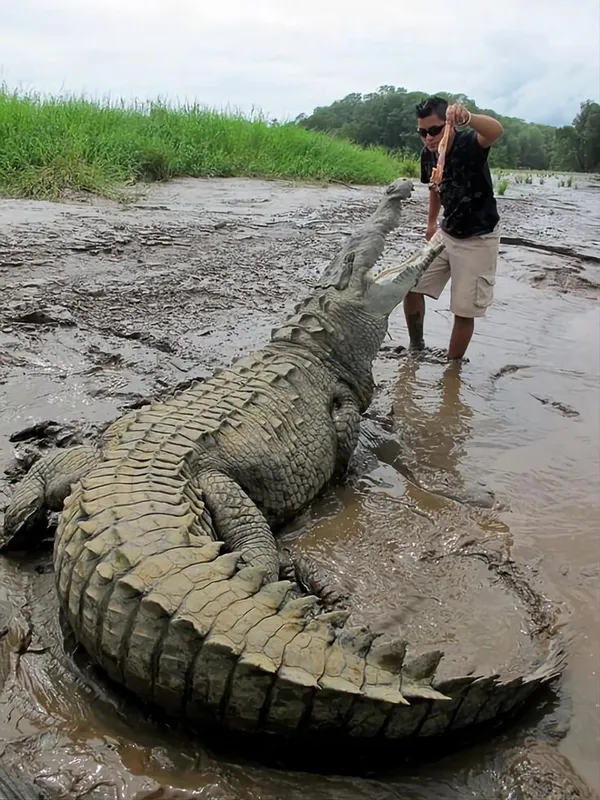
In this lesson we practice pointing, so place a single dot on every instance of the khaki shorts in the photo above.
(471, 263)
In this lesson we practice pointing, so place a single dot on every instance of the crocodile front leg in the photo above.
(346, 416)
(44, 488)
(303, 569)
(239, 523)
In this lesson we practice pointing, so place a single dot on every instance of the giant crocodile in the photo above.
(165, 558)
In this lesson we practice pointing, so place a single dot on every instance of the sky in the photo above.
(534, 59)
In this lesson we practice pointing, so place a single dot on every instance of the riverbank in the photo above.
(56, 146)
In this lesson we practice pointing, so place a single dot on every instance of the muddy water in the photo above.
(104, 306)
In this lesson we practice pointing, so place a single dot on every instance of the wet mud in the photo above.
(104, 307)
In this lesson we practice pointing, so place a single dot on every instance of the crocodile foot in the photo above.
(314, 578)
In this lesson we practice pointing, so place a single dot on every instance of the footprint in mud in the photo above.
(102, 359)
(47, 315)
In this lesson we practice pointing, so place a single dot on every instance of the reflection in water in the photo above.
(433, 420)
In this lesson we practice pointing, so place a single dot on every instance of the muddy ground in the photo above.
(104, 306)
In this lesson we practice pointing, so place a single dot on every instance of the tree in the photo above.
(565, 154)
(387, 118)
(587, 130)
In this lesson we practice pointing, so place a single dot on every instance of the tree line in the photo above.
(387, 118)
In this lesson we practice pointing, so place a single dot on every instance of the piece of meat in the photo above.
(438, 171)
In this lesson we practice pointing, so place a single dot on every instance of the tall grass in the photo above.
(50, 145)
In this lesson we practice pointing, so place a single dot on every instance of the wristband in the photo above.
(464, 124)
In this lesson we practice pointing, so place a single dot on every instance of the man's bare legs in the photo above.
(414, 312)
(462, 331)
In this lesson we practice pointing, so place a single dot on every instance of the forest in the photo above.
(386, 118)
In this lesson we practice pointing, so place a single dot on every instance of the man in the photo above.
(469, 223)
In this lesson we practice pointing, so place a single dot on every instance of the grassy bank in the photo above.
(48, 146)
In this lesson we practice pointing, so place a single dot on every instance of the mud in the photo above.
(105, 306)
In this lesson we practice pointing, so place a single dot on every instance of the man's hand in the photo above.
(457, 114)
(431, 229)
(487, 128)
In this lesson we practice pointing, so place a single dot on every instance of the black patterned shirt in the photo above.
(466, 190)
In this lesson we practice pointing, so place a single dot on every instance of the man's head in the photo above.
(431, 120)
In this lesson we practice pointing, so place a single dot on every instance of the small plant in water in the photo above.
(502, 186)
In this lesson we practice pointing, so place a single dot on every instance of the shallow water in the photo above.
(542, 463)
(520, 419)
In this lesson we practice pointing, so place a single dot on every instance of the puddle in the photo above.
(504, 450)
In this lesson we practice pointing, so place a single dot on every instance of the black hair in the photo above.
(432, 105)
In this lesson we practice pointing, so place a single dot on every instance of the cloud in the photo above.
(536, 60)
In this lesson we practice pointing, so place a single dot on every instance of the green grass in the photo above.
(52, 145)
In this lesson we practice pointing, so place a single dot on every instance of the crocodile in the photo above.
(165, 555)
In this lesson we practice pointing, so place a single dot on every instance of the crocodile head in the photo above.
(345, 320)
(350, 272)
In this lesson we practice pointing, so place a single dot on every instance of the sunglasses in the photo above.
(433, 131)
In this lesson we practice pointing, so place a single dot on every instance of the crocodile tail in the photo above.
(318, 675)
(178, 622)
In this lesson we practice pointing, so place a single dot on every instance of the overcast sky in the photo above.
(535, 59)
